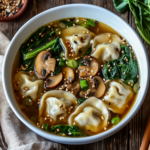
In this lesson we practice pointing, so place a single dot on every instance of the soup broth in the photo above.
(75, 77)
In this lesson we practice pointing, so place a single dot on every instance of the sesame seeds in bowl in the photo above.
(11, 9)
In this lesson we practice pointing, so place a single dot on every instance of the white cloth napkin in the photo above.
(16, 134)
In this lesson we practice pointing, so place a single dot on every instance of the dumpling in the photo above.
(117, 96)
(92, 115)
(106, 47)
(29, 86)
(57, 104)
(75, 41)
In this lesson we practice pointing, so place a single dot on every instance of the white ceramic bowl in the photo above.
(66, 11)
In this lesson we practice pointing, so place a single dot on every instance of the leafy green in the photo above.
(34, 52)
(68, 130)
(29, 63)
(88, 52)
(67, 23)
(141, 11)
(57, 70)
(91, 22)
(70, 23)
(81, 100)
(45, 126)
(121, 5)
(125, 67)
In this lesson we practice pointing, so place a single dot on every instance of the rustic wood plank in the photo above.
(129, 138)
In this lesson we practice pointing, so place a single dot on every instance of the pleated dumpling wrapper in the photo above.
(75, 41)
(117, 96)
(29, 86)
(106, 47)
(92, 115)
(58, 104)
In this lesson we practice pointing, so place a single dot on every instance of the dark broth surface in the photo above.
(31, 107)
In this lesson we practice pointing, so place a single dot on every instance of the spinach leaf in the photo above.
(67, 23)
(68, 130)
(90, 22)
(125, 67)
(141, 12)
(81, 100)
(111, 71)
(121, 5)
(34, 38)
(29, 63)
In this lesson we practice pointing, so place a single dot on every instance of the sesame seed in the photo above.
(105, 128)
(137, 76)
(102, 117)
(26, 88)
(69, 133)
(57, 130)
(83, 31)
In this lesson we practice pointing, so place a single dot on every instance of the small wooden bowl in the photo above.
(18, 14)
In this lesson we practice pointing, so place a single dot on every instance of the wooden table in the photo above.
(130, 137)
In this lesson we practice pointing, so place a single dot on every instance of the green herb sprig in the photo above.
(141, 12)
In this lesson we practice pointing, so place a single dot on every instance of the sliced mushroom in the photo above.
(91, 67)
(53, 81)
(74, 87)
(68, 74)
(97, 88)
(44, 64)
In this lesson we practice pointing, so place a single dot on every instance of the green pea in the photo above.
(136, 87)
(72, 63)
(27, 101)
(115, 120)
